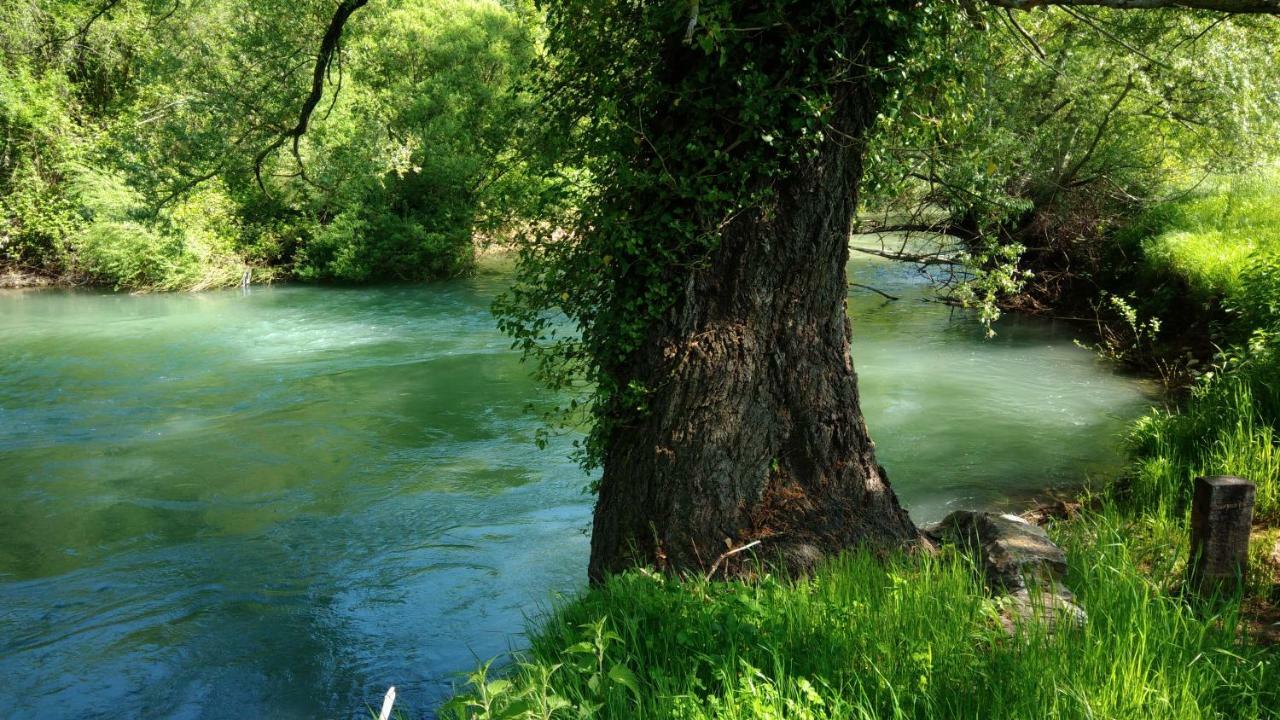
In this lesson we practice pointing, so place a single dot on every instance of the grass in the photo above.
(1211, 239)
(907, 637)
(1225, 245)
(1226, 427)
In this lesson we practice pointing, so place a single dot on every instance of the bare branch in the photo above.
(733, 551)
(328, 49)
(1244, 7)
(1024, 34)
(874, 290)
(924, 259)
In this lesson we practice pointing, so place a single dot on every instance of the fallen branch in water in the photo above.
(918, 258)
(874, 290)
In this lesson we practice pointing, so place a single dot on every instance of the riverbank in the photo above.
(17, 280)
(903, 637)
(1224, 248)
(917, 636)
(488, 254)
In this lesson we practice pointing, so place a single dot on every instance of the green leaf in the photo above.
(622, 675)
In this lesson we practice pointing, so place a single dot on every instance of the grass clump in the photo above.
(1226, 427)
(907, 637)
(1210, 240)
(1225, 246)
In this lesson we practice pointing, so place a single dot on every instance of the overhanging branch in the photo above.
(324, 59)
(1241, 7)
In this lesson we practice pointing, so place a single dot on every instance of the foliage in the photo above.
(408, 164)
(177, 104)
(188, 246)
(37, 137)
(680, 124)
(908, 638)
(1133, 334)
(1224, 245)
(995, 275)
(1056, 127)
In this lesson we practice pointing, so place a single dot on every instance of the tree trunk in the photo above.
(754, 430)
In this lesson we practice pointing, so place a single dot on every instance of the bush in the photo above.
(125, 245)
(413, 161)
(36, 136)
(355, 247)
(1226, 427)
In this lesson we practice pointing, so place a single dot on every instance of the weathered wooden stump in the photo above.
(1221, 516)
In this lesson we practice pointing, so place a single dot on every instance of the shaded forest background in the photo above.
(139, 140)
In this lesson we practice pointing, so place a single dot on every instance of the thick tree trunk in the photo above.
(755, 430)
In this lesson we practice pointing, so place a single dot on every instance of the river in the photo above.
(277, 503)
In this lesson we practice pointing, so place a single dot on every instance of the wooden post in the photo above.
(1221, 515)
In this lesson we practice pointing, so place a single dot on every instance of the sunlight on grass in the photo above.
(913, 637)
(1225, 245)
(1211, 239)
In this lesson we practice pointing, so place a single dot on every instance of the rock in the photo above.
(1019, 563)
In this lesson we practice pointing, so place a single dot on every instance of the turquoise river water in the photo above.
(274, 504)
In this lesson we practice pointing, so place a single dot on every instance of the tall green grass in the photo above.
(1226, 427)
(1211, 239)
(1225, 245)
(907, 637)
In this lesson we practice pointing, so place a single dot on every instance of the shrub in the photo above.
(123, 244)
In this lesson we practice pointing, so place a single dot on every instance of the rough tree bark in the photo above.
(755, 431)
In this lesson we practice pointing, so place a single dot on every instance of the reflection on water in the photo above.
(276, 504)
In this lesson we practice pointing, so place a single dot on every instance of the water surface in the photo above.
(274, 504)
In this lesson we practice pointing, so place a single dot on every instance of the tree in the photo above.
(705, 269)
(1058, 130)
(154, 145)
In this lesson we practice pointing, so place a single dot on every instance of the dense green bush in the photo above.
(132, 140)
(407, 165)
(36, 137)
(121, 243)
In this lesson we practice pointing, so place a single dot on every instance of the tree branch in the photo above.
(83, 31)
(328, 48)
(874, 290)
(924, 259)
(1253, 7)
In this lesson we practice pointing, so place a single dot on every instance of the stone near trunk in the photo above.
(1018, 560)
